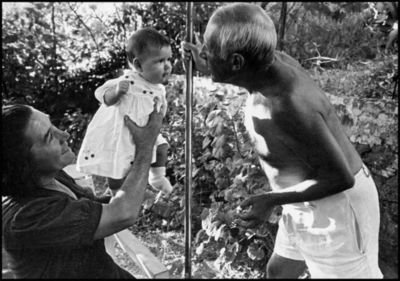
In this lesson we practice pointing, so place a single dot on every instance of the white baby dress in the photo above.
(107, 149)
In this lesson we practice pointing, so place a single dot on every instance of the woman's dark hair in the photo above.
(18, 173)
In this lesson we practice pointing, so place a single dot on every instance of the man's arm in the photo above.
(124, 207)
(333, 172)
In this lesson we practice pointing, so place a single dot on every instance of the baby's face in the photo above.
(156, 65)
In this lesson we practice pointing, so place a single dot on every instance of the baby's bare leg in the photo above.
(161, 156)
(157, 173)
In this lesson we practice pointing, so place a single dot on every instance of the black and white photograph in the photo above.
(199, 140)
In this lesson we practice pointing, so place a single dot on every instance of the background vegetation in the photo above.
(55, 54)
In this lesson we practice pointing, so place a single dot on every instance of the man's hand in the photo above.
(261, 209)
(190, 51)
(146, 136)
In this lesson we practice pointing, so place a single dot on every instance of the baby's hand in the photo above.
(122, 87)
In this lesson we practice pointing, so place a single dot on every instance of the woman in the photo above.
(53, 228)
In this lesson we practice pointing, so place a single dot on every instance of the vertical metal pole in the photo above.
(188, 145)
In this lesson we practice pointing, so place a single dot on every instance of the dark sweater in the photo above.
(50, 235)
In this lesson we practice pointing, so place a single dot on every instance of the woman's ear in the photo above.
(237, 61)
(136, 64)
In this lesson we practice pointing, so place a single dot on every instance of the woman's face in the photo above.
(50, 152)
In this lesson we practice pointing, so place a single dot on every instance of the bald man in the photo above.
(330, 219)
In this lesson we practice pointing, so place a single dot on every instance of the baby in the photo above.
(107, 149)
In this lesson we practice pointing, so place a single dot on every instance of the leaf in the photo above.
(255, 252)
(211, 266)
(199, 236)
(233, 248)
(148, 203)
(219, 141)
(211, 228)
(210, 121)
(219, 232)
(206, 142)
(210, 166)
(219, 126)
(204, 214)
(218, 152)
(200, 248)
(228, 195)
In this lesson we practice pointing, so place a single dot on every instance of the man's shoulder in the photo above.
(288, 59)
(308, 100)
(300, 91)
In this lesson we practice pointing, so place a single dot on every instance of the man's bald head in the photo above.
(241, 28)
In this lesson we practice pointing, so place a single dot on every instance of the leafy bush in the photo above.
(375, 78)
(343, 31)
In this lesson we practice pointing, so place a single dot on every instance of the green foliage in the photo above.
(43, 45)
(375, 78)
(374, 123)
(340, 30)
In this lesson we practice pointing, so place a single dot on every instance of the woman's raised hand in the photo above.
(146, 136)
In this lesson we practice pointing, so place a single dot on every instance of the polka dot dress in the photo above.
(107, 148)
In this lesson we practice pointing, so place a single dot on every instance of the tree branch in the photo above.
(97, 17)
(53, 27)
(87, 27)
(322, 59)
(282, 25)
(122, 22)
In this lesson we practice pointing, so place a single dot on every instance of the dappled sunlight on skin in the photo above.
(260, 112)
(285, 169)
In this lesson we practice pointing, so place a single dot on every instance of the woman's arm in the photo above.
(124, 207)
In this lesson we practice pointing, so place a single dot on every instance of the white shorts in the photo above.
(336, 236)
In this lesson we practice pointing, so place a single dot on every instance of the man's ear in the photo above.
(136, 64)
(237, 61)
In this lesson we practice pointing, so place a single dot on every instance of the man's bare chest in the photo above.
(266, 131)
